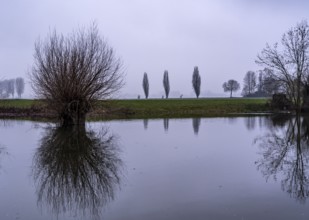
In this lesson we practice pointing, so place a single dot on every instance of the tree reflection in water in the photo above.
(196, 122)
(2, 152)
(165, 123)
(285, 154)
(145, 121)
(76, 171)
(250, 122)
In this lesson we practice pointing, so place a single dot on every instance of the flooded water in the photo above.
(201, 168)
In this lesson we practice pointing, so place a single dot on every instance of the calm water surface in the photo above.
(214, 168)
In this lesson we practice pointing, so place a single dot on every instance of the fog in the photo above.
(221, 37)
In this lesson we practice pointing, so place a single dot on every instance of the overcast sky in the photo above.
(221, 37)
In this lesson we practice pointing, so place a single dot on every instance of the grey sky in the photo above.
(221, 37)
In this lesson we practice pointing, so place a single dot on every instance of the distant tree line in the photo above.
(285, 73)
(8, 87)
(196, 83)
(263, 85)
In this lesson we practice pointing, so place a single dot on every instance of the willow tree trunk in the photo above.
(74, 113)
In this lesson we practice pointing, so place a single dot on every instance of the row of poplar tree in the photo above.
(254, 86)
(196, 83)
(8, 87)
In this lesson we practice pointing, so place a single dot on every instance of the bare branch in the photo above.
(71, 72)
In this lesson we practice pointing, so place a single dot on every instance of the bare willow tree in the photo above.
(196, 82)
(20, 86)
(290, 64)
(71, 72)
(231, 86)
(166, 83)
(146, 85)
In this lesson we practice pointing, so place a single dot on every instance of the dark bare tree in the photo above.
(196, 82)
(20, 86)
(146, 85)
(231, 86)
(166, 83)
(290, 62)
(249, 83)
(71, 72)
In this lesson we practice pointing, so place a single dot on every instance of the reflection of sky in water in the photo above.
(169, 173)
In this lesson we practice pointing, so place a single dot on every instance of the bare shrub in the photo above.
(71, 72)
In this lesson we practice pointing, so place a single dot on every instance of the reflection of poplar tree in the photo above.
(145, 121)
(165, 123)
(196, 122)
(250, 122)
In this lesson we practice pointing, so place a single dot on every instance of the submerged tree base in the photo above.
(72, 120)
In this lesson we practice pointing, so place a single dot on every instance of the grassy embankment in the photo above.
(175, 108)
(21, 108)
(152, 108)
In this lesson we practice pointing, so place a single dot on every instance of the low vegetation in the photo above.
(174, 108)
(150, 108)
(18, 103)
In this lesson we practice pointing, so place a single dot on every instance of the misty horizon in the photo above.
(220, 37)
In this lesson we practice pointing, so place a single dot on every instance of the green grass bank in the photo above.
(142, 108)
(177, 108)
